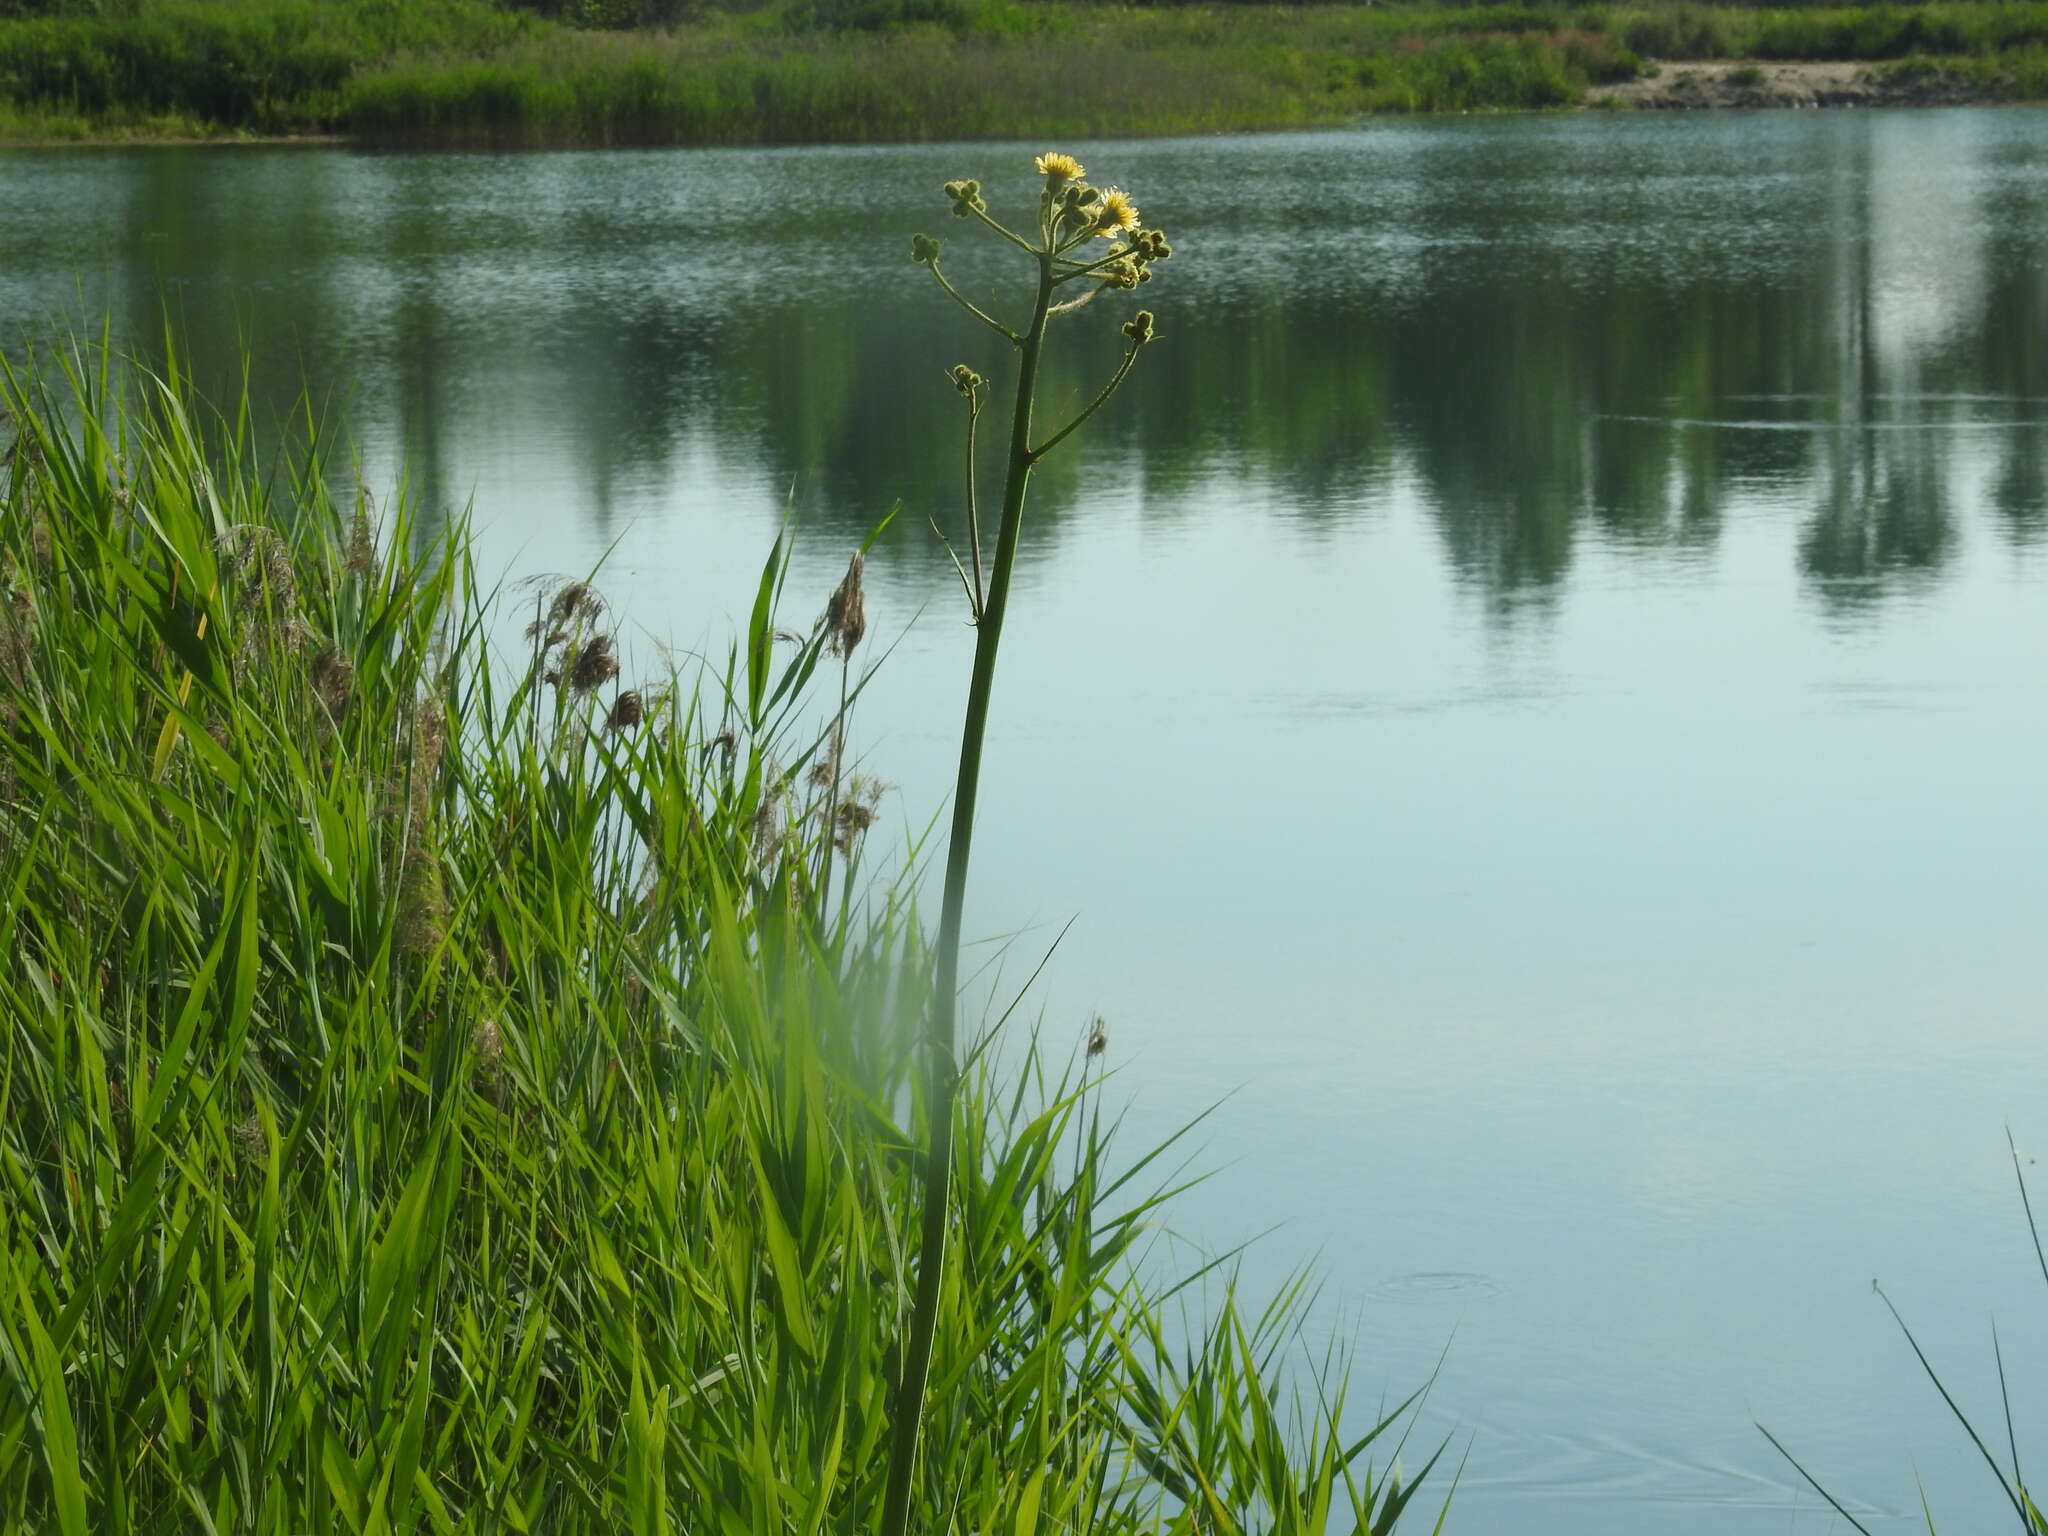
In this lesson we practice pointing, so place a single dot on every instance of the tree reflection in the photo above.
(1536, 392)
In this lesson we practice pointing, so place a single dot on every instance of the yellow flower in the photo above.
(1058, 168)
(1119, 214)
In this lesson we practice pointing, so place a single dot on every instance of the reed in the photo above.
(438, 1093)
(2008, 1475)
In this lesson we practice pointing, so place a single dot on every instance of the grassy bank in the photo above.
(449, 1091)
(469, 71)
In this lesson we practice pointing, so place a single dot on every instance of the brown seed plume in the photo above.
(595, 664)
(847, 614)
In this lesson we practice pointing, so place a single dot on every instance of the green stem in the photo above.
(943, 1065)
(980, 314)
(973, 512)
(1123, 369)
(838, 750)
(1008, 234)
(1084, 268)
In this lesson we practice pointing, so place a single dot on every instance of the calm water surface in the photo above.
(1537, 694)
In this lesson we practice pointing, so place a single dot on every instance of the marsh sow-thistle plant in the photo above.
(1073, 268)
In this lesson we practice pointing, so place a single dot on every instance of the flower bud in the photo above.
(1139, 328)
(923, 249)
(966, 197)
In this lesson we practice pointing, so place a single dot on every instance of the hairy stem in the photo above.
(974, 514)
(1088, 410)
(975, 310)
(943, 1064)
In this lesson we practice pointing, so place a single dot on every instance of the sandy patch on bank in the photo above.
(1772, 83)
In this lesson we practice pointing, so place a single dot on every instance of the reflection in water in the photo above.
(1550, 330)
(1622, 966)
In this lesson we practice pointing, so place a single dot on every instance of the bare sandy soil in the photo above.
(1766, 83)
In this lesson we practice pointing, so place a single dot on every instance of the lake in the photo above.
(1535, 697)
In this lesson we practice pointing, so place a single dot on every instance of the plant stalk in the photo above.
(943, 1064)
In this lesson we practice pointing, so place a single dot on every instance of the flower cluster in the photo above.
(1076, 212)
(1072, 216)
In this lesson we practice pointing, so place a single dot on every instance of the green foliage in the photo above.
(987, 18)
(669, 72)
(435, 1095)
(1828, 31)
(271, 65)
(2011, 1481)
(613, 15)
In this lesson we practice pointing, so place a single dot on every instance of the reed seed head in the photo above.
(768, 825)
(488, 1073)
(847, 615)
(429, 738)
(826, 769)
(1098, 1036)
(360, 552)
(628, 710)
(595, 664)
(334, 679)
(262, 566)
(576, 603)
(423, 906)
(857, 811)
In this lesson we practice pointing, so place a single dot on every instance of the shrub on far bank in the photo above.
(477, 72)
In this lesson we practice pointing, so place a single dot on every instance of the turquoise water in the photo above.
(1535, 697)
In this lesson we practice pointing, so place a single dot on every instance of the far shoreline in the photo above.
(1689, 85)
(1722, 84)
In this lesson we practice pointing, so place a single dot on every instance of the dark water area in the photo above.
(1535, 696)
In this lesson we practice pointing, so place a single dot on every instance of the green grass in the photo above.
(471, 71)
(2010, 1479)
(437, 1094)
(1687, 31)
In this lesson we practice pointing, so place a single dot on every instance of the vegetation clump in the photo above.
(443, 1087)
(547, 72)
